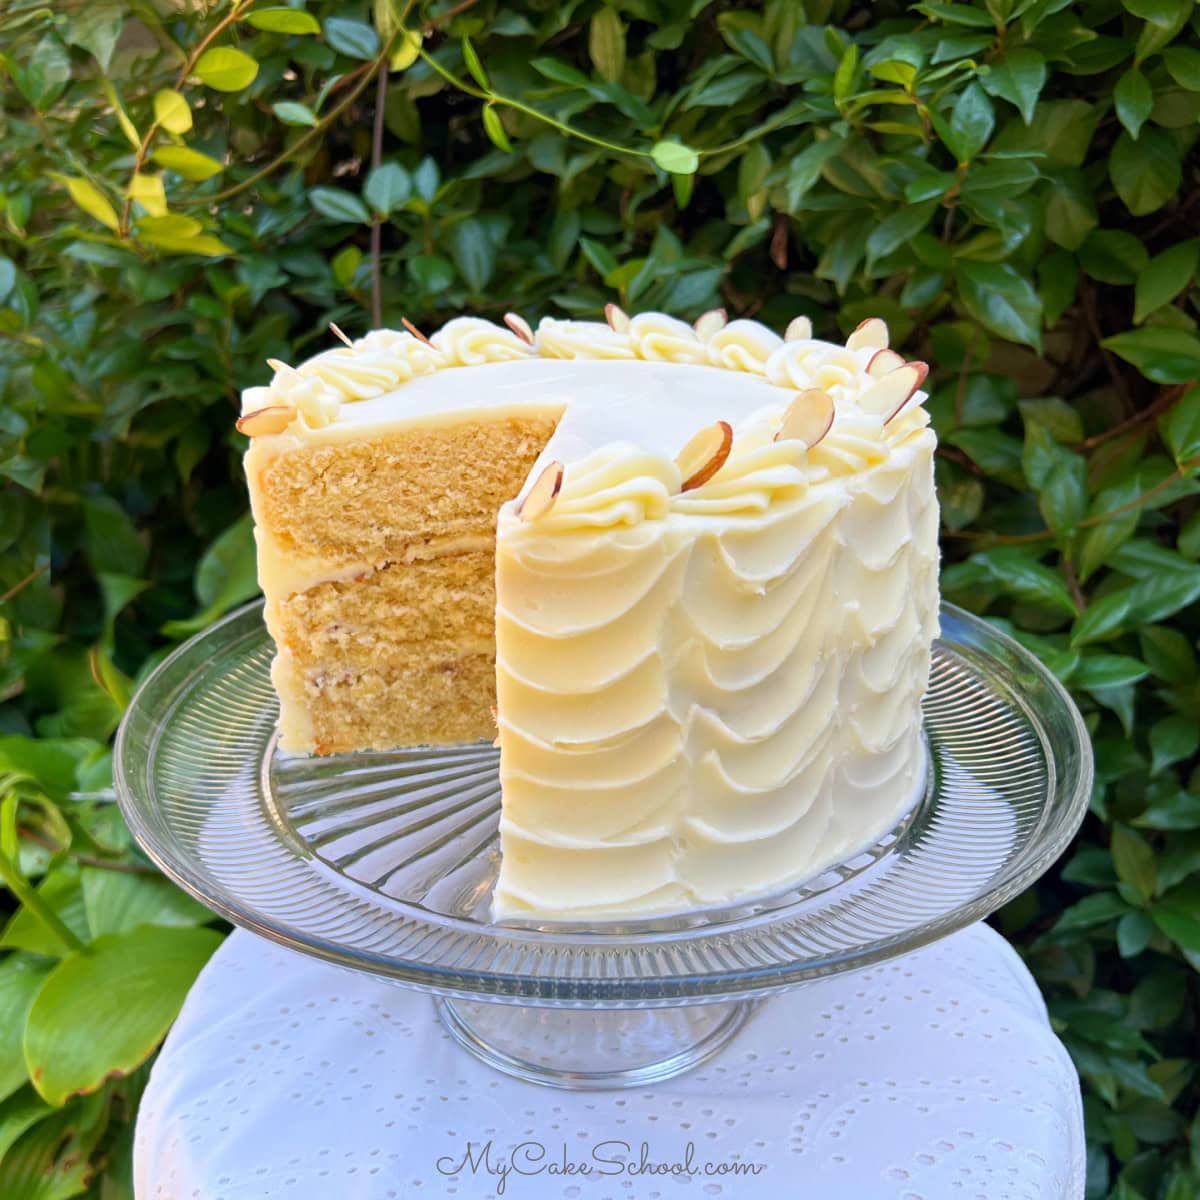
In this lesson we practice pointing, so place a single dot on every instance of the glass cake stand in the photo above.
(384, 863)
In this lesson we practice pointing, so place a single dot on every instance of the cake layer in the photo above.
(438, 603)
(412, 697)
(381, 498)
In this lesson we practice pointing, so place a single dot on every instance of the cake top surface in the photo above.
(683, 410)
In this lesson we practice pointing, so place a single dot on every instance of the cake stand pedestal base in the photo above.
(592, 1049)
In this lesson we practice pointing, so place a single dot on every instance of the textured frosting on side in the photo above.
(721, 697)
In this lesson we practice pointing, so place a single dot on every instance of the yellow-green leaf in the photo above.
(103, 1011)
(148, 191)
(225, 69)
(408, 50)
(675, 157)
(283, 20)
(191, 164)
(203, 243)
(91, 199)
(171, 111)
(495, 130)
(474, 65)
(606, 43)
(171, 225)
(127, 126)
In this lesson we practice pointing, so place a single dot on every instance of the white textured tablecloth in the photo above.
(933, 1077)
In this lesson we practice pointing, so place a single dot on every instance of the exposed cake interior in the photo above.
(392, 641)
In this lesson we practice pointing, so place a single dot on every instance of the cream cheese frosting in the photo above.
(703, 695)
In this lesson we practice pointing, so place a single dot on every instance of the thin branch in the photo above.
(381, 82)
(29, 896)
(1088, 297)
(88, 860)
(22, 584)
(495, 98)
(362, 75)
(184, 71)
(1165, 401)
(450, 13)
(1042, 535)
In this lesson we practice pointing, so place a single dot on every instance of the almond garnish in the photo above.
(519, 326)
(540, 497)
(710, 323)
(799, 330)
(883, 362)
(617, 318)
(704, 455)
(414, 331)
(872, 332)
(808, 419)
(266, 420)
(893, 391)
(337, 333)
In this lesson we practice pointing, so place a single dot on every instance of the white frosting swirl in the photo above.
(581, 339)
(660, 338)
(743, 346)
(471, 341)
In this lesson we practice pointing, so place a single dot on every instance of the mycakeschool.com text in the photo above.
(608, 1159)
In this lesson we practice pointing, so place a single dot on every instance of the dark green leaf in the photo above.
(1163, 355)
(1180, 426)
(339, 205)
(1134, 861)
(1164, 277)
(971, 123)
(473, 252)
(291, 112)
(1134, 99)
(388, 188)
(355, 39)
(1108, 670)
(1018, 78)
(1146, 173)
(1183, 63)
(1002, 301)
(1113, 256)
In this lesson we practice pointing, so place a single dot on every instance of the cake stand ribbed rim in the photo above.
(976, 642)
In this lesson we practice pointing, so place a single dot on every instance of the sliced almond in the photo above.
(414, 331)
(617, 318)
(710, 323)
(519, 326)
(799, 330)
(540, 497)
(883, 362)
(337, 333)
(704, 455)
(872, 332)
(893, 391)
(808, 419)
(266, 420)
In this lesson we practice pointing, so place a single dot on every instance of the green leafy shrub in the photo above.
(187, 191)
